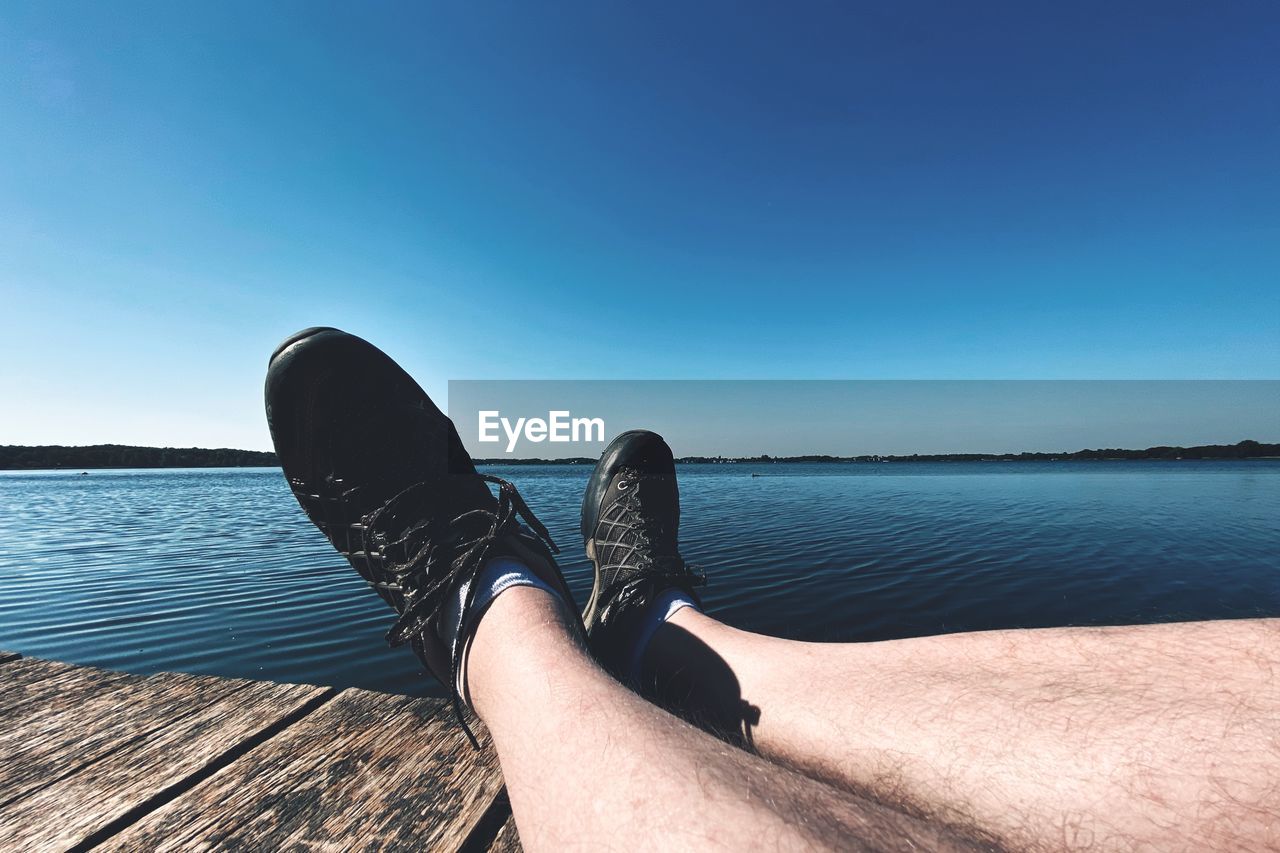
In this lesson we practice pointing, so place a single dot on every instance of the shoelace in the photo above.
(646, 571)
(440, 554)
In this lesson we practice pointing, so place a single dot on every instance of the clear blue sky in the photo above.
(604, 190)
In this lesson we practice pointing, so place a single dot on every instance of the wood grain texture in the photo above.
(76, 771)
(364, 770)
(5, 657)
(508, 839)
(24, 707)
(55, 738)
(29, 681)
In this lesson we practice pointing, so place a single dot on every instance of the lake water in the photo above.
(218, 571)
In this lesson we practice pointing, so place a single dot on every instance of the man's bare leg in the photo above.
(590, 764)
(1155, 737)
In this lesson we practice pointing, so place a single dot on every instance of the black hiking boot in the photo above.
(630, 524)
(381, 471)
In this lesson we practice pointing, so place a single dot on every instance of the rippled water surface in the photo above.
(219, 571)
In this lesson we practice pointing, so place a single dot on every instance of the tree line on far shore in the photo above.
(126, 456)
(1247, 449)
(17, 457)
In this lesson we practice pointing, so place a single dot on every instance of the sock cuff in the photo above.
(662, 608)
(494, 578)
(502, 573)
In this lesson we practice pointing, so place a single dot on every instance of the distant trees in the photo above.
(127, 456)
(1247, 449)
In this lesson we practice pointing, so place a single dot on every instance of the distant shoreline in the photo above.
(1247, 449)
(108, 456)
(57, 457)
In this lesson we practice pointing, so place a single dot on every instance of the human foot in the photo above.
(381, 471)
(630, 525)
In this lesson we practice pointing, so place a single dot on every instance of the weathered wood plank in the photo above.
(30, 670)
(52, 739)
(34, 682)
(508, 839)
(365, 770)
(85, 769)
(5, 657)
(34, 692)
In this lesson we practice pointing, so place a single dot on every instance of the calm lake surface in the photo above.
(218, 571)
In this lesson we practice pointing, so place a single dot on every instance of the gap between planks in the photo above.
(491, 829)
(367, 768)
(177, 789)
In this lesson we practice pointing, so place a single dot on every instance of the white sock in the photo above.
(494, 578)
(660, 610)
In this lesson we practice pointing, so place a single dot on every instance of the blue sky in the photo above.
(638, 190)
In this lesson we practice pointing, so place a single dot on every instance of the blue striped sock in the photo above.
(496, 577)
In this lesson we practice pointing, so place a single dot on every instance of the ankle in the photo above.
(622, 645)
(526, 632)
(467, 605)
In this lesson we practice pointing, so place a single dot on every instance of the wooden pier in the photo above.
(98, 759)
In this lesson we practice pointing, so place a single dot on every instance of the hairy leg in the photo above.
(589, 763)
(1159, 737)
